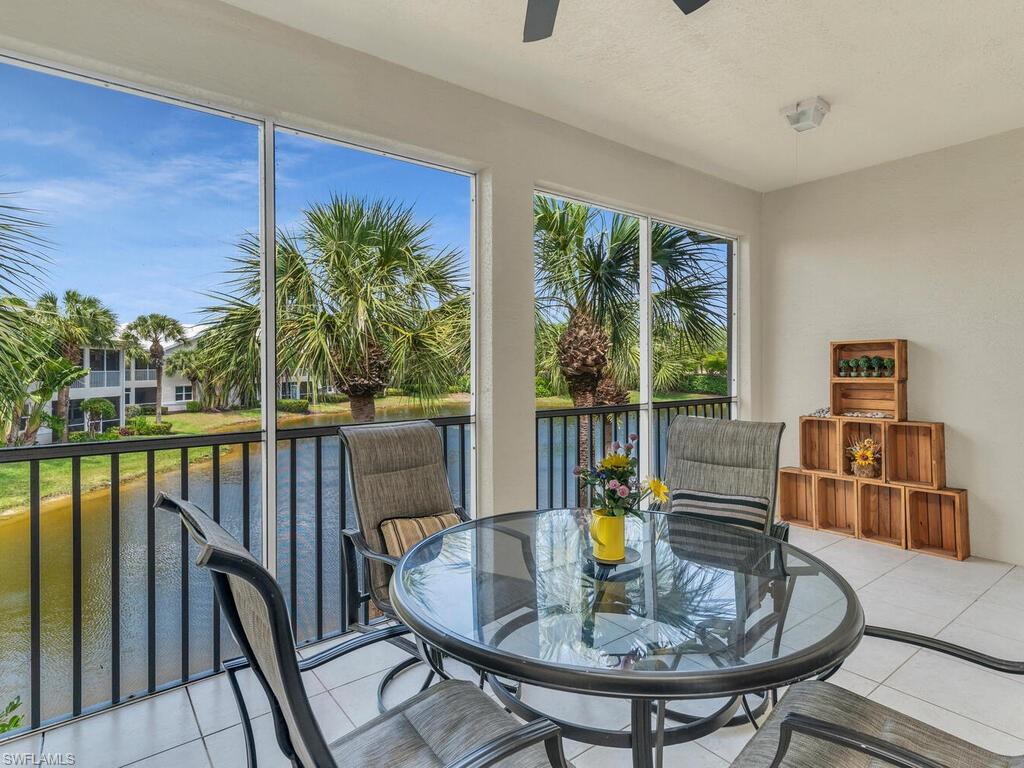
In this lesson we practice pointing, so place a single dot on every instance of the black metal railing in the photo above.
(112, 604)
(568, 437)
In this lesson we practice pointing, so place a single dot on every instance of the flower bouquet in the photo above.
(865, 458)
(616, 492)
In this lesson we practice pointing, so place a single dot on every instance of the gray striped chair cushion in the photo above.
(432, 729)
(747, 511)
(837, 705)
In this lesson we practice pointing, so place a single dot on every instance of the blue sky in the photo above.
(145, 200)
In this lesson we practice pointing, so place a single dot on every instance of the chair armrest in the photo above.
(463, 514)
(353, 535)
(352, 644)
(780, 531)
(941, 646)
(508, 744)
(794, 722)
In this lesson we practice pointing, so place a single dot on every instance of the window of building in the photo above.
(182, 393)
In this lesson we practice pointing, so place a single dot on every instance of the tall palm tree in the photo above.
(587, 274)
(363, 302)
(156, 329)
(75, 321)
(194, 366)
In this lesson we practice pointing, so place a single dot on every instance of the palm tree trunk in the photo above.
(61, 410)
(159, 391)
(12, 434)
(364, 408)
(583, 397)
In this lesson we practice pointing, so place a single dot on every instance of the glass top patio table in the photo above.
(704, 610)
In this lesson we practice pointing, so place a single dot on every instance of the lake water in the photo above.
(57, 578)
(557, 454)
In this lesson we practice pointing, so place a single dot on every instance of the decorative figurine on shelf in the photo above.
(617, 492)
(890, 366)
(865, 458)
(844, 367)
(864, 362)
(876, 366)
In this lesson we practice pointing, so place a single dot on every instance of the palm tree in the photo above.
(192, 364)
(76, 321)
(587, 275)
(155, 329)
(363, 302)
(22, 265)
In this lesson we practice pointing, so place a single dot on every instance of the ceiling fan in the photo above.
(540, 16)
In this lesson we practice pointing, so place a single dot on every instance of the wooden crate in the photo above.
(915, 453)
(835, 504)
(881, 512)
(855, 430)
(796, 497)
(851, 350)
(819, 444)
(937, 522)
(887, 396)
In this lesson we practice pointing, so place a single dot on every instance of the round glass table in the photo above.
(706, 611)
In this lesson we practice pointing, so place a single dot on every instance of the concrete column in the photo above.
(505, 424)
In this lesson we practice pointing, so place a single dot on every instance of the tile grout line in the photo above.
(202, 736)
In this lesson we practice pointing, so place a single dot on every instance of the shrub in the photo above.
(143, 426)
(706, 384)
(133, 411)
(80, 437)
(126, 431)
(193, 406)
(541, 388)
(716, 362)
(293, 406)
(333, 397)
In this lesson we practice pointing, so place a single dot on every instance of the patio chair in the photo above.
(715, 465)
(452, 723)
(726, 471)
(818, 724)
(400, 489)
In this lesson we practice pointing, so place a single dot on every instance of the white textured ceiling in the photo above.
(903, 76)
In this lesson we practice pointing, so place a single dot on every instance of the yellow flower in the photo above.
(864, 457)
(614, 461)
(658, 489)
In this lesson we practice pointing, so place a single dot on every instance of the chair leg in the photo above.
(250, 741)
(388, 678)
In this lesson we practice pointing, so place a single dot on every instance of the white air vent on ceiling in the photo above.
(806, 114)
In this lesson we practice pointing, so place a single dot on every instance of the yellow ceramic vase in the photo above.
(609, 535)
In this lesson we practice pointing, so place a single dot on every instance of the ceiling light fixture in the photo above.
(806, 113)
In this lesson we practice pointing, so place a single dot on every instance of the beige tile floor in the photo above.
(979, 603)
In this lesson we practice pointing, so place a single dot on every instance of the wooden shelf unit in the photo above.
(852, 430)
(852, 350)
(835, 505)
(796, 497)
(937, 522)
(916, 453)
(908, 505)
(888, 396)
(819, 444)
(882, 512)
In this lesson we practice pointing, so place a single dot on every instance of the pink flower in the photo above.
(616, 445)
(577, 471)
(623, 491)
(613, 484)
(628, 448)
(634, 436)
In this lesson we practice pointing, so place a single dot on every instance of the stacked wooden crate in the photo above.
(908, 505)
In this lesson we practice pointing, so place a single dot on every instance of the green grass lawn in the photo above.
(55, 475)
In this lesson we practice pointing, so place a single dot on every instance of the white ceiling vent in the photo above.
(806, 114)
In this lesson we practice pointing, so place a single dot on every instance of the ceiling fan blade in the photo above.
(540, 20)
(689, 6)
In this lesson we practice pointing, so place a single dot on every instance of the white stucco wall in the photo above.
(928, 249)
(216, 53)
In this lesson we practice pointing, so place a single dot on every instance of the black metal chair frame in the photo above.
(866, 743)
(223, 563)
